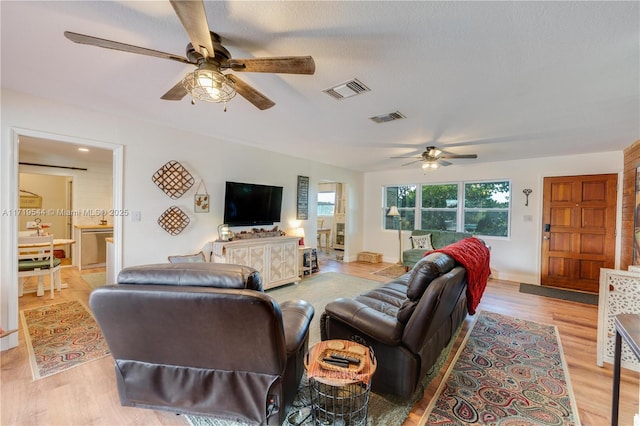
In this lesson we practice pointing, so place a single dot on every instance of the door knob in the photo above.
(546, 237)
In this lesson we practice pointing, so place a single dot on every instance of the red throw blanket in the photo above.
(473, 254)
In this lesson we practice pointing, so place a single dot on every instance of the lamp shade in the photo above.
(393, 211)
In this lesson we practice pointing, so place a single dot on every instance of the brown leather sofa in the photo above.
(407, 321)
(204, 339)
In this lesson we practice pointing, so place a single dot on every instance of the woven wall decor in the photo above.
(173, 220)
(173, 179)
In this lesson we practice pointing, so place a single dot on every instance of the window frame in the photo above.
(460, 209)
(406, 213)
(319, 203)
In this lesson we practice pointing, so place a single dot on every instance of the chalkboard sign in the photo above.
(303, 198)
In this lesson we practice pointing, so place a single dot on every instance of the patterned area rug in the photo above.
(95, 279)
(60, 337)
(508, 371)
(393, 271)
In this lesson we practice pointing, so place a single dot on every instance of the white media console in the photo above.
(276, 258)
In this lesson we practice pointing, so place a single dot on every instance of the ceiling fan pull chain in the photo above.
(225, 107)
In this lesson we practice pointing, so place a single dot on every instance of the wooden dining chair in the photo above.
(36, 259)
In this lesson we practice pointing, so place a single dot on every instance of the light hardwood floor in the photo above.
(86, 395)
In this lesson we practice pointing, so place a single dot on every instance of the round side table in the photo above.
(340, 389)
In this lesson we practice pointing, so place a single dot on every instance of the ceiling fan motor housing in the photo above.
(219, 55)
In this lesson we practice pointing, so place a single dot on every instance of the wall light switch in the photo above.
(136, 216)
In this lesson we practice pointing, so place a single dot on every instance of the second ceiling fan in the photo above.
(434, 157)
(205, 51)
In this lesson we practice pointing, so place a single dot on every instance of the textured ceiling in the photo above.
(505, 80)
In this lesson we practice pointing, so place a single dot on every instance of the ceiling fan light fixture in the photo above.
(429, 165)
(209, 85)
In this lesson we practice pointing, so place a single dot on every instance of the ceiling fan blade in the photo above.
(194, 20)
(459, 156)
(176, 93)
(407, 157)
(411, 162)
(109, 44)
(252, 95)
(283, 65)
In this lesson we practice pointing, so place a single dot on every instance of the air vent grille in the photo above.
(385, 118)
(347, 89)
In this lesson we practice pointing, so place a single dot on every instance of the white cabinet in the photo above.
(91, 245)
(619, 294)
(275, 258)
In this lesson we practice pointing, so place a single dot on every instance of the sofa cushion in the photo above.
(188, 258)
(439, 239)
(429, 267)
(422, 241)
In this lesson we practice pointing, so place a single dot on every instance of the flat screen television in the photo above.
(248, 204)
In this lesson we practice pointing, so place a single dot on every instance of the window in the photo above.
(479, 208)
(486, 208)
(326, 203)
(403, 197)
(439, 207)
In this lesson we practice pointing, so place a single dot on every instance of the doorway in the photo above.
(332, 202)
(9, 223)
(578, 235)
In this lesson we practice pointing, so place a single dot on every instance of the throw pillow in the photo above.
(188, 258)
(422, 242)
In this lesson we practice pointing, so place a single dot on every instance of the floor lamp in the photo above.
(393, 212)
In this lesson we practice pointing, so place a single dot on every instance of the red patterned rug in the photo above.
(60, 337)
(507, 371)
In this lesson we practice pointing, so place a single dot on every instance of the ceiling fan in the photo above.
(434, 157)
(205, 51)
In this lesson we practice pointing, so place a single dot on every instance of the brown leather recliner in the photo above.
(203, 338)
(407, 321)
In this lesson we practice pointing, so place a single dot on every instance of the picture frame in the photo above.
(201, 203)
(302, 211)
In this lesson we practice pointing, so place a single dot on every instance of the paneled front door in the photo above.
(579, 216)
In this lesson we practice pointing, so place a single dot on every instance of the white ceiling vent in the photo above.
(384, 118)
(347, 89)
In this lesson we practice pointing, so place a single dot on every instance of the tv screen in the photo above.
(248, 204)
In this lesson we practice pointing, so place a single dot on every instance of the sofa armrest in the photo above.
(380, 326)
(296, 317)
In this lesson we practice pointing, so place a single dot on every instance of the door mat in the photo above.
(61, 336)
(393, 271)
(557, 293)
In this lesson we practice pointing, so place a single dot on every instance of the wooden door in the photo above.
(579, 214)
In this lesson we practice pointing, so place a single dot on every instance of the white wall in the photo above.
(516, 258)
(148, 146)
